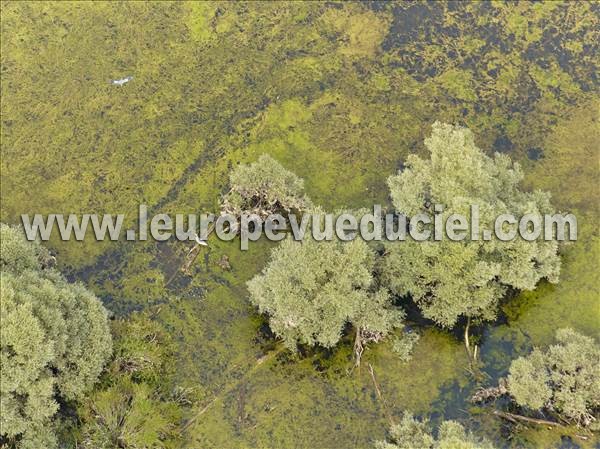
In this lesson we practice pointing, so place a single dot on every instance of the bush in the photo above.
(563, 380)
(264, 187)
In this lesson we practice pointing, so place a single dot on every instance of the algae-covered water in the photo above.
(340, 94)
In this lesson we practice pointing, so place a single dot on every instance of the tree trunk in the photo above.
(358, 347)
(467, 344)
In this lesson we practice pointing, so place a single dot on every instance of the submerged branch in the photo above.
(190, 257)
(380, 396)
(230, 387)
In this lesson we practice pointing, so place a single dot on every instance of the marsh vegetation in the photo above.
(343, 96)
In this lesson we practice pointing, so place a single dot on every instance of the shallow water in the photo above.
(339, 94)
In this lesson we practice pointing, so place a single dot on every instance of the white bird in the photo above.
(122, 81)
(200, 242)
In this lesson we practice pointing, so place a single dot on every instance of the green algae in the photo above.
(338, 93)
(533, 316)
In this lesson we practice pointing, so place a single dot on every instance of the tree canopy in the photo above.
(264, 187)
(311, 290)
(449, 279)
(411, 433)
(564, 379)
(55, 341)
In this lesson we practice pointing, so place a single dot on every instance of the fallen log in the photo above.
(514, 418)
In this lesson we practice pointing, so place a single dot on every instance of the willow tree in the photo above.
(312, 290)
(411, 433)
(264, 187)
(259, 189)
(451, 279)
(563, 380)
(54, 342)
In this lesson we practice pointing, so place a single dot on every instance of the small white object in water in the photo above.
(122, 81)
(200, 242)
